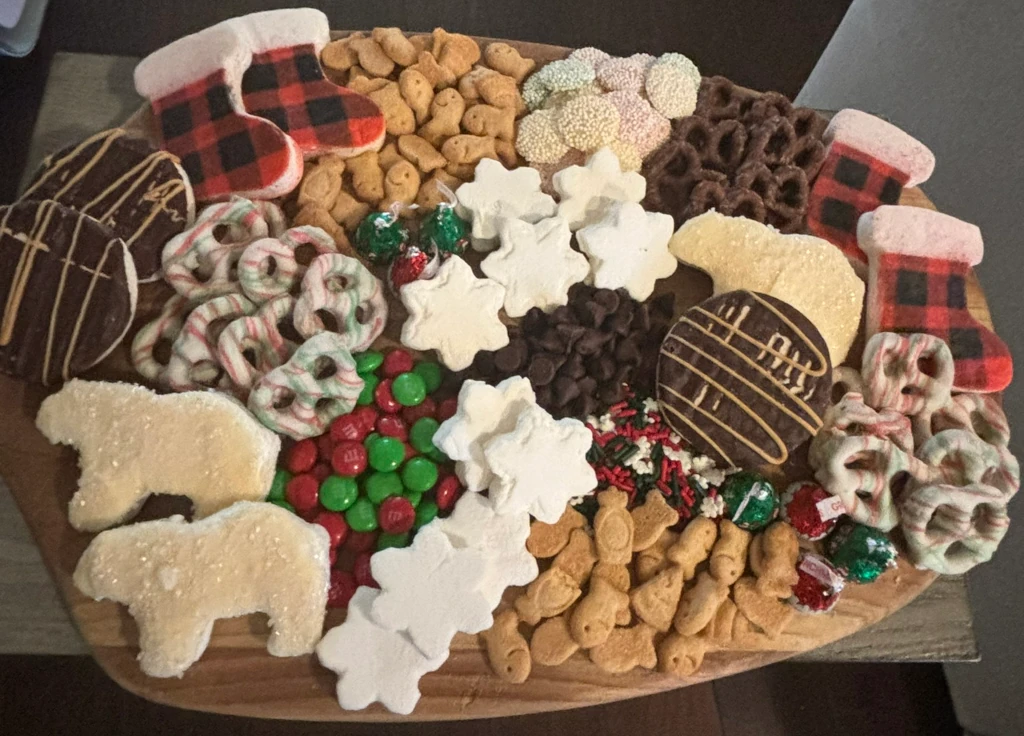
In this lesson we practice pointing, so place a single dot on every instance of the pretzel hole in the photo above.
(864, 460)
(894, 368)
(305, 253)
(789, 193)
(983, 428)
(698, 138)
(804, 157)
(337, 283)
(283, 399)
(162, 350)
(324, 368)
(726, 144)
(927, 365)
(957, 549)
(777, 143)
(745, 106)
(898, 483)
(361, 315)
(839, 390)
(221, 233)
(328, 319)
(216, 327)
(206, 373)
(679, 167)
(250, 356)
(909, 390)
(324, 406)
(745, 209)
(286, 328)
(269, 266)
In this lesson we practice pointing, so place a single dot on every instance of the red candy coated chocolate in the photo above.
(391, 425)
(396, 362)
(425, 408)
(343, 587)
(359, 542)
(333, 555)
(447, 408)
(410, 452)
(367, 417)
(361, 570)
(302, 456)
(325, 447)
(384, 399)
(335, 524)
(303, 492)
(447, 492)
(348, 427)
(349, 459)
(320, 471)
(396, 515)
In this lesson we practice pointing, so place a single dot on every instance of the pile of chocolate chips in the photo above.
(742, 153)
(580, 357)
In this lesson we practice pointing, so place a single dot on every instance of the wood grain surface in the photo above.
(237, 676)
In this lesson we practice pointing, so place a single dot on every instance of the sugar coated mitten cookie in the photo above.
(138, 191)
(285, 84)
(68, 291)
(194, 88)
(867, 163)
(918, 266)
(134, 442)
(178, 578)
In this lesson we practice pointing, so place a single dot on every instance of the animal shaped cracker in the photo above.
(178, 578)
(655, 601)
(613, 528)
(133, 443)
(681, 655)
(507, 650)
(729, 555)
(626, 648)
(547, 540)
(806, 272)
(699, 604)
(651, 520)
(694, 545)
(773, 558)
(552, 642)
(594, 617)
(579, 556)
(550, 594)
(766, 612)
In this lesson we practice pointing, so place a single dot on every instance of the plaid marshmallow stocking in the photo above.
(193, 86)
(285, 84)
(918, 266)
(868, 162)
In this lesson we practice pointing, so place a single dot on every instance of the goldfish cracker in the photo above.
(508, 61)
(366, 85)
(698, 604)
(357, 72)
(367, 177)
(468, 149)
(694, 545)
(420, 152)
(440, 77)
(766, 612)
(595, 615)
(468, 83)
(718, 632)
(394, 43)
(552, 643)
(462, 172)
(550, 594)
(401, 184)
(422, 42)
(656, 601)
(618, 576)
(627, 648)
(773, 558)
(431, 195)
(681, 655)
(398, 116)
(651, 520)
(547, 540)
(372, 57)
(649, 562)
(349, 211)
(315, 215)
(497, 122)
(339, 56)
(506, 151)
(418, 93)
(501, 91)
(389, 156)
(578, 557)
(446, 111)
(321, 182)
(507, 650)
(729, 555)
(457, 52)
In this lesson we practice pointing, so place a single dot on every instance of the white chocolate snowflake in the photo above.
(540, 465)
(587, 191)
(431, 590)
(535, 264)
(454, 313)
(483, 412)
(628, 248)
(501, 539)
(496, 194)
(374, 664)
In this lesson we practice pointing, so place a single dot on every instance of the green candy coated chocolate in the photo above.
(338, 493)
(370, 382)
(419, 474)
(445, 230)
(385, 540)
(380, 237)
(379, 486)
(426, 512)
(362, 516)
(421, 436)
(283, 504)
(409, 389)
(751, 501)
(414, 497)
(386, 453)
(277, 486)
(430, 372)
(368, 362)
(861, 552)
(370, 439)
(437, 456)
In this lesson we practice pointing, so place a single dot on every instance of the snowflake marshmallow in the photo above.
(587, 191)
(496, 194)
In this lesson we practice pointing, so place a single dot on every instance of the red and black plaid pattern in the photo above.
(221, 149)
(288, 87)
(918, 294)
(849, 184)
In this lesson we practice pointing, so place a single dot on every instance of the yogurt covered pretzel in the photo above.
(977, 413)
(167, 326)
(950, 529)
(194, 361)
(254, 275)
(198, 263)
(344, 287)
(962, 458)
(291, 399)
(851, 416)
(894, 377)
(260, 334)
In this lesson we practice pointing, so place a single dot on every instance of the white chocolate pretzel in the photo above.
(259, 334)
(166, 327)
(912, 374)
(344, 287)
(254, 269)
(194, 362)
(962, 458)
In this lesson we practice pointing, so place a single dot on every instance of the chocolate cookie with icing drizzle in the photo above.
(67, 291)
(139, 191)
(745, 378)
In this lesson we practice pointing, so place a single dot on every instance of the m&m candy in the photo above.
(386, 453)
(419, 474)
(379, 486)
(338, 493)
(396, 362)
(421, 436)
(396, 515)
(408, 389)
(349, 458)
(362, 516)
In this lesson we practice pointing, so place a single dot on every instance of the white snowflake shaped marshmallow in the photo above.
(374, 664)
(454, 313)
(535, 265)
(496, 194)
(540, 465)
(431, 590)
(587, 191)
(500, 538)
(628, 248)
(483, 412)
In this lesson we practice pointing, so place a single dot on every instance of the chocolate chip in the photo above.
(533, 321)
(541, 371)
(620, 322)
(551, 341)
(610, 393)
(564, 390)
(561, 316)
(590, 313)
(483, 363)
(642, 319)
(607, 298)
(573, 367)
(569, 334)
(601, 367)
(587, 386)
(627, 351)
(512, 357)
(543, 394)
(591, 342)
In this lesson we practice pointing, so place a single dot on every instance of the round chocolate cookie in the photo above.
(745, 378)
(140, 192)
(67, 291)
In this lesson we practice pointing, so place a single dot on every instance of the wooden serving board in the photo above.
(237, 676)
